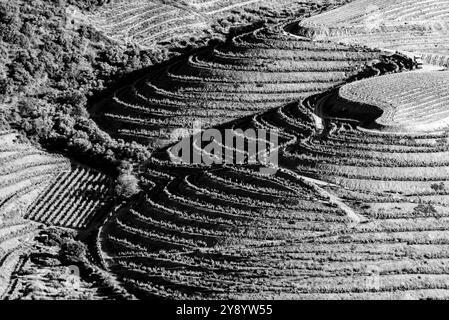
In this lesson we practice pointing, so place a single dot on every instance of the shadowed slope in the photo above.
(253, 72)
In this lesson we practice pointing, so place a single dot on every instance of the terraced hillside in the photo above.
(74, 198)
(48, 188)
(356, 207)
(38, 188)
(253, 72)
(217, 234)
(16, 239)
(146, 22)
(349, 214)
(408, 101)
(25, 172)
(417, 26)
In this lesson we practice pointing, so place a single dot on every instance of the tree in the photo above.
(438, 187)
(127, 186)
(126, 167)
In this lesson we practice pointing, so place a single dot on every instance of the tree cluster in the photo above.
(50, 67)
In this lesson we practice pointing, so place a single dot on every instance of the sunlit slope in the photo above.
(218, 233)
(146, 23)
(47, 188)
(420, 27)
(25, 172)
(407, 102)
(75, 197)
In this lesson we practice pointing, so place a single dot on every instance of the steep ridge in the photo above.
(253, 72)
(343, 214)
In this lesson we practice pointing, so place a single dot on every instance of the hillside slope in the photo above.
(48, 188)
(38, 191)
(352, 210)
(412, 102)
(420, 27)
(25, 172)
(349, 214)
(253, 72)
(146, 23)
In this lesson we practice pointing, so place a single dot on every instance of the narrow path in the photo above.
(318, 185)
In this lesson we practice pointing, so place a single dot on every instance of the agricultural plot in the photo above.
(355, 205)
(419, 27)
(25, 172)
(350, 213)
(255, 71)
(16, 237)
(146, 23)
(47, 188)
(73, 199)
(36, 185)
(409, 102)
(395, 180)
(216, 234)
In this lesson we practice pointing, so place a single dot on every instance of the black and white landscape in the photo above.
(224, 149)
